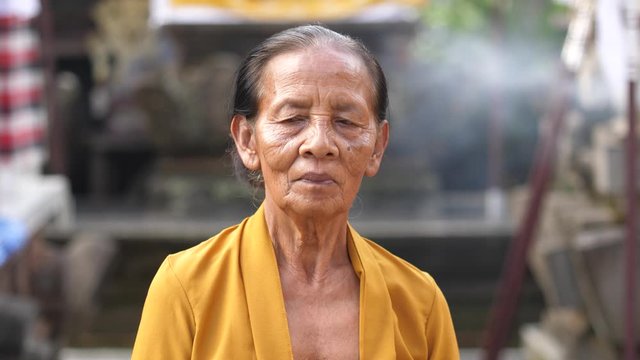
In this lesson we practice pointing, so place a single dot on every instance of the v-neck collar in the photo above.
(377, 321)
(265, 300)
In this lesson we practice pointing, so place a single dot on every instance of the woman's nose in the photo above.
(319, 141)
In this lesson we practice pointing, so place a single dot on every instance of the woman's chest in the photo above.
(329, 332)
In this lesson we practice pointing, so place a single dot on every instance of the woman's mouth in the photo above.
(317, 178)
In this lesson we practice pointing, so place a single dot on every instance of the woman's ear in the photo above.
(382, 139)
(242, 132)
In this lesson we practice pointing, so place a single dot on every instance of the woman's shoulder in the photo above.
(205, 257)
(403, 278)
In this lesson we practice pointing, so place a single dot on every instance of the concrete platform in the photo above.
(450, 215)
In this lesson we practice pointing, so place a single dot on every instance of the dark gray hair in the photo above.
(248, 80)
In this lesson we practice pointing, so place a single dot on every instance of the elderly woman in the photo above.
(295, 280)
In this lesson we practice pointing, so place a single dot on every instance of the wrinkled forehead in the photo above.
(293, 66)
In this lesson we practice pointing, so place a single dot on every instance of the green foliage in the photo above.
(497, 22)
(459, 15)
(485, 16)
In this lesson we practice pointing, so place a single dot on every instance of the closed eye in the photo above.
(294, 119)
(345, 122)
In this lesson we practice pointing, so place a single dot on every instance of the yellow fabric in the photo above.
(292, 9)
(222, 300)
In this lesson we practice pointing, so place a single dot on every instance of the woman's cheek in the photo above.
(273, 134)
(359, 149)
(279, 155)
(277, 147)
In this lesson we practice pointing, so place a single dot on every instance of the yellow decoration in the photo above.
(294, 10)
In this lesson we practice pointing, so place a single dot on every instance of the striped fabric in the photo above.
(22, 120)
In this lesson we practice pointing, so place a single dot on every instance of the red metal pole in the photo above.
(514, 269)
(631, 247)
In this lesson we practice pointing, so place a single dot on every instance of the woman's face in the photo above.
(315, 135)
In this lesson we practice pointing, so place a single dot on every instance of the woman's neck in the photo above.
(309, 248)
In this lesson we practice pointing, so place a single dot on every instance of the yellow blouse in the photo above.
(222, 299)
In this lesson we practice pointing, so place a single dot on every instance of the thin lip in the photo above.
(316, 177)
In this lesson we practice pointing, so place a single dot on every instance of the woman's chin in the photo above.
(317, 205)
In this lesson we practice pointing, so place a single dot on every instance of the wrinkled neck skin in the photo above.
(309, 248)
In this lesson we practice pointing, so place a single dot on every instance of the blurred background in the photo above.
(113, 154)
